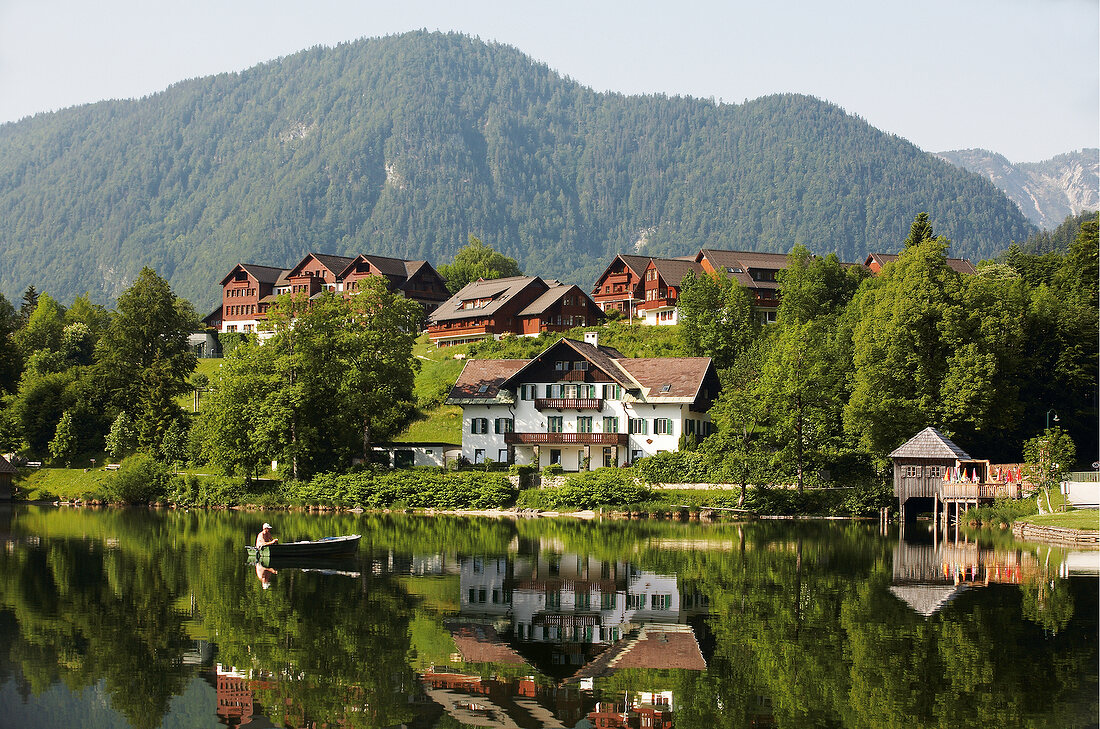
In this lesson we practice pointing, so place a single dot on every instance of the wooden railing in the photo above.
(568, 403)
(979, 491)
(566, 438)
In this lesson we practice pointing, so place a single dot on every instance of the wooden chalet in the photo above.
(930, 471)
(249, 290)
(661, 288)
(876, 261)
(520, 305)
(757, 272)
(7, 473)
(621, 286)
(243, 290)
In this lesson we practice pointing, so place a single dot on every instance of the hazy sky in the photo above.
(1020, 78)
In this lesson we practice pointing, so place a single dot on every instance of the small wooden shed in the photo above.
(920, 463)
(7, 472)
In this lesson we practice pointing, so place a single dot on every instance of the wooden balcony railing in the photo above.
(979, 491)
(620, 439)
(568, 403)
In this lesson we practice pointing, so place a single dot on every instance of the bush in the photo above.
(190, 490)
(428, 489)
(139, 480)
(675, 467)
(1001, 512)
(554, 469)
(592, 489)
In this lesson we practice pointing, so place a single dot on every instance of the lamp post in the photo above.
(1048, 417)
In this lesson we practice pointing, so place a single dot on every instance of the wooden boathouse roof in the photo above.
(930, 443)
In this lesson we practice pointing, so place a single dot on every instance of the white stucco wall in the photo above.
(651, 316)
(527, 419)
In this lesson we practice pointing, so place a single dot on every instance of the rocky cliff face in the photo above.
(1046, 192)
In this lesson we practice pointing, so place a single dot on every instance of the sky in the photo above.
(1018, 77)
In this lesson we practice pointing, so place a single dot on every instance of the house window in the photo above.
(527, 392)
(638, 426)
(553, 391)
(651, 275)
(635, 455)
(583, 365)
(613, 392)
(610, 425)
(555, 456)
(502, 455)
(479, 455)
(554, 424)
(503, 425)
(584, 424)
(608, 458)
(660, 602)
(479, 426)
(662, 426)
(608, 600)
(571, 391)
(635, 602)
(561, 365)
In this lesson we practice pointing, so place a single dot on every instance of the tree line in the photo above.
(857, 364)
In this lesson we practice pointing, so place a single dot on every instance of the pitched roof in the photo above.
(673, 270)
(929, 443)
(487, 373)
(738, 263)
(927, 599)
(654, 645)
(480, 643)
(499, 290)
(637, 264)
(334, 263)
(960, 265)
(263, 274)
(605, 358)
(683, 376)
(6, 467)
(551, 296)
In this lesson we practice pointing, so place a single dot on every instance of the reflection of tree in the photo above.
(85, 613)
(332, 649)
(1048, 603)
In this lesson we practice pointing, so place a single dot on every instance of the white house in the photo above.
(578, 403)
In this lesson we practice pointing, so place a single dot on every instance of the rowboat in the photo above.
(327, 547)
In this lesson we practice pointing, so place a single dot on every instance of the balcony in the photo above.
(568, 403)
(981, 491)
(619, 439)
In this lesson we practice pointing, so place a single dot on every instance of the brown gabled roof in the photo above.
(654, 645)
(6, 467)
(683, 376)
(605, 358)
(394, 268)
(930, 443)
(552, 296)
(333, 263)
(637, 264)
(488, 373)
(959, 265)
(738, 263)
(263, 274)
(673, 270)
(500, 290)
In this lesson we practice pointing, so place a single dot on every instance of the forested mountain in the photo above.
(1046, 191)
(406, 144)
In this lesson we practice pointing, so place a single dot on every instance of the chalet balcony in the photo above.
(568, 403)
(614, 439)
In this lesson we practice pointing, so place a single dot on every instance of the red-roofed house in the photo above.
(621, 286)
(661, 288)
(758, 272)
(581, 405)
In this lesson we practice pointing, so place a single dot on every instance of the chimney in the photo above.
(592, 338)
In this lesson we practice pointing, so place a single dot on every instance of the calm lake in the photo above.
(137, 618)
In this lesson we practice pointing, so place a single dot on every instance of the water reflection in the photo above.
(449, 622)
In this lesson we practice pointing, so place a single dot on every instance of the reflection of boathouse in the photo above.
(932, 473)
(929, 575)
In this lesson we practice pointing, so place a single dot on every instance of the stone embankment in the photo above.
(1027, 532)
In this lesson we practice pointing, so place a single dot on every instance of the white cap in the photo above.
(267, 526)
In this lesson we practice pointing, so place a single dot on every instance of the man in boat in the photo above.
(264, 538)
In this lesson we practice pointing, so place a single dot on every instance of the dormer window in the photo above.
(483, 389)
(735, 269)
(666, 388)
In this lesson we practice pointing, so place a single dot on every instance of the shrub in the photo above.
(140, 479)
(602, 487)
(675, 467)
(427, 489)
(554, 469)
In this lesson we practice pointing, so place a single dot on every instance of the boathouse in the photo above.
(7, 472)
(930, 471)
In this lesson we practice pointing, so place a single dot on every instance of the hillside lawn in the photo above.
(207, 366)
(1084, 519)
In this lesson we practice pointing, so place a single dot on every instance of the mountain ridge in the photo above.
(404, 145)
(1047, 191)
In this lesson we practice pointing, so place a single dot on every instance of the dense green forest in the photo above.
(405, 145)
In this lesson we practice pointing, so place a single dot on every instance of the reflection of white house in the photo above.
(578, 403)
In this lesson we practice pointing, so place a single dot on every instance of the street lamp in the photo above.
(1048, 417)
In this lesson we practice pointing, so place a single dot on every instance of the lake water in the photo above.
(135, 618)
